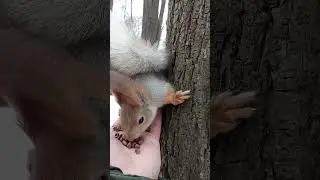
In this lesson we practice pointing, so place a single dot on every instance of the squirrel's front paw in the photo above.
(177, 97)
(227, 109)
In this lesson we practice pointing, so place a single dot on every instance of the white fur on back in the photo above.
(131, 55)
(156, 86)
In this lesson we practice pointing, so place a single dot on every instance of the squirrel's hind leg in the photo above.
(176, 97)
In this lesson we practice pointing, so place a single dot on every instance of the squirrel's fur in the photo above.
(143, 62)
(132, 55)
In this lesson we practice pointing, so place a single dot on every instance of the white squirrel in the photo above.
(136, 58)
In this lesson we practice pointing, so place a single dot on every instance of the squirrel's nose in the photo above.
(131, 136)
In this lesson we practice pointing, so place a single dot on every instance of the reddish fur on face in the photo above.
(128, 118)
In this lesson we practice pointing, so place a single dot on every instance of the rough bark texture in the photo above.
(150, 21)
(272, 46)
(163, 4)
(184, 141)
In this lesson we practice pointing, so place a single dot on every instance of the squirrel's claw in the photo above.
(226, 109)
(177, 97)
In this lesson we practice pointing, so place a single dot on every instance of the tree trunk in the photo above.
(273, 47)
(184, 141)
(163, 4)
(150, 21)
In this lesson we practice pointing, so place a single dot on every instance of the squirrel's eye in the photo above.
(141, 120)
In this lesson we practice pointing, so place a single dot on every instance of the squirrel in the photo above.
(136, 58)
(227, 109)
(46, 86)
(134, 121)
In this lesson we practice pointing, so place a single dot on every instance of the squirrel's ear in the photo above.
(123, 99)
(118, 97)
(124, 88)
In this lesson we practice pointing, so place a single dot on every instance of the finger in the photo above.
(221, 97)
(184, 97)
(241, 113)
(239, 100)
(155, 128)
(185, 92)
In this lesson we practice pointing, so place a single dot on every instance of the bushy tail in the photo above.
(131, 55)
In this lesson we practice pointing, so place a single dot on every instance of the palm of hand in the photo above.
(147, 163)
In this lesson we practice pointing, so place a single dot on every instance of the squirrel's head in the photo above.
(134, 121)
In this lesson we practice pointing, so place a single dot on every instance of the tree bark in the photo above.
(184, 141)
(273, 47)
(150, 21)
(163, 4)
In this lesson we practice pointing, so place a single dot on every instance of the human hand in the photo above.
(146, 163)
